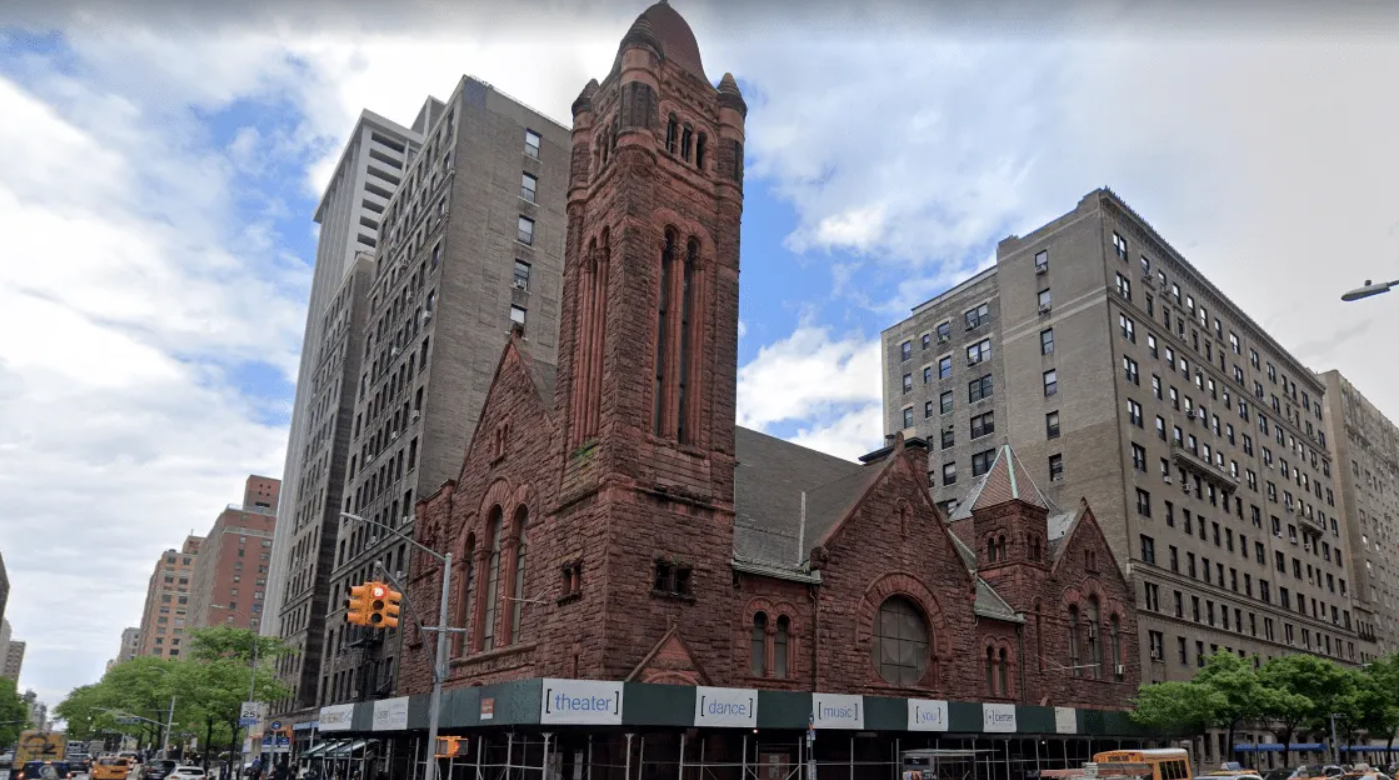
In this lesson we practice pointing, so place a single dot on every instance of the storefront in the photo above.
(596, 730)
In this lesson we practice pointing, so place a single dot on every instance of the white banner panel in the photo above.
(337, 717)
(726, 707)
(391, 714)
(998, 718)
(927, 715)
(838, 711)
(1065, 720)
(588, 702)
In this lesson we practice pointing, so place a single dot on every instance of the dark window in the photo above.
(983, 424)
(1051, 425)
(1047, 341)
(901, 642)
(981, 462)
(1056, 468)
(529, 186)
(1051, 382)
(978, 389)
(532, 144)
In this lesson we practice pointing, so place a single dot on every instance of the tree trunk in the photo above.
(208, 738)
(1230, 744)
(1286, 735)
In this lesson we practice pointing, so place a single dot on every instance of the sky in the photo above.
(160, 162)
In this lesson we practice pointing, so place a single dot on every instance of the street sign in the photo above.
(248, 714)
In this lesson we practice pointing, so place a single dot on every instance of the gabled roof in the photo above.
(1007, 480)
(771, 479)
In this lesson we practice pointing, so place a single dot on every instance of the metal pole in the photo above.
(681, 770)
(626, 769)
(440, 667)
(169, 724)
(745, 757)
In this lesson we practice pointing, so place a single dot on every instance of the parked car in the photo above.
(186, 772)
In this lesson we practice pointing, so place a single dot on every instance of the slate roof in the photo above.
(1008, 480)
(769, 480)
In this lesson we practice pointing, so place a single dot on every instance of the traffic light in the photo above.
(450, 747)
(378, 599)
(357, 605)
(389, 615)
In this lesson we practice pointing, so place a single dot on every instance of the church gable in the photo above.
(670, 662)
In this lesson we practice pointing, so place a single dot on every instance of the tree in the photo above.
(1379, 699)
(1241, 695)
(1179, 709)
(1298, 684)
(207, 644)
(13, 713)
(79, 711)
(223, 657)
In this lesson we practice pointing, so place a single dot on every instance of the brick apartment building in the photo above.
(229, 579)
(165, 618)
(619, 540)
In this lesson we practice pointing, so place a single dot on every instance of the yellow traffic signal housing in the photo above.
(378, 599)
(450, 747)
(389, 617)
(357, 605)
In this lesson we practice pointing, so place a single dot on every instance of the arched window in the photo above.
(686, 138)
(901, 642)
(663, 329)
(990, 671)
(1074, 655)
(592, 322)
(687, 292)
(758, 646)
(1116, 639)
(779, 646)
(700, 144)
(1039, 634)
(468, 583)
(672, 131)
(1003, 670)
(1001, 543)
(517, 604)
(1095, 645)
(492, 580)
(991, 549)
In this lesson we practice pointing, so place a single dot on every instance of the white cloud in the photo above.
(828, 385)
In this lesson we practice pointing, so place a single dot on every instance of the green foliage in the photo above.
(209, 686)
(1176, 708)
(11, 709)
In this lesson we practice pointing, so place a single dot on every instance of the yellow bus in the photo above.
(1165, 763)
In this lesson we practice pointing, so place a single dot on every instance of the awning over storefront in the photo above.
(315, 751)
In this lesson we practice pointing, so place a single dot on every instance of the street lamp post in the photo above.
(166, 726)
(1368, 290)
(439, 666)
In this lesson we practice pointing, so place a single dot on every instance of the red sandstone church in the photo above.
(611, 522)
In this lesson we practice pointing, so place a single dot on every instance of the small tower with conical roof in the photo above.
(648, 343)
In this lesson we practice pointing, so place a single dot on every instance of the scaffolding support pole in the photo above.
(681, 764)
(640, 758)
(852, 757)
(590, 757)
(478, 757)
(745, 757)
(626, 769)
(509, 753)
(544, 768)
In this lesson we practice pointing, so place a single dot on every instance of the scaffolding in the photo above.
(732, 755)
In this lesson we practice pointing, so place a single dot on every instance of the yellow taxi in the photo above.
(110, 768)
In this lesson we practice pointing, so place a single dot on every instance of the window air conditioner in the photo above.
(427, 315)
(417, 415)
(1166, 478)
(1121, 670)
(394, 352)
(1044, 309)
(393, 436)
(1040, 270)
(520, 284)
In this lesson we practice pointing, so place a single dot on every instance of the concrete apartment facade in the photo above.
(229, 581)
(4, 587)
(366, 177)
(166, 614)
(6, 636)
(14, 660)
(471, 244)
(1366, 445)
(1121, 375)
(311, 546)
(130, 644)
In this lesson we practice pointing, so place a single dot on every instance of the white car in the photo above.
(187, 773)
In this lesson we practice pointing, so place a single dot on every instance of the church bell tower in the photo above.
(648, 348)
